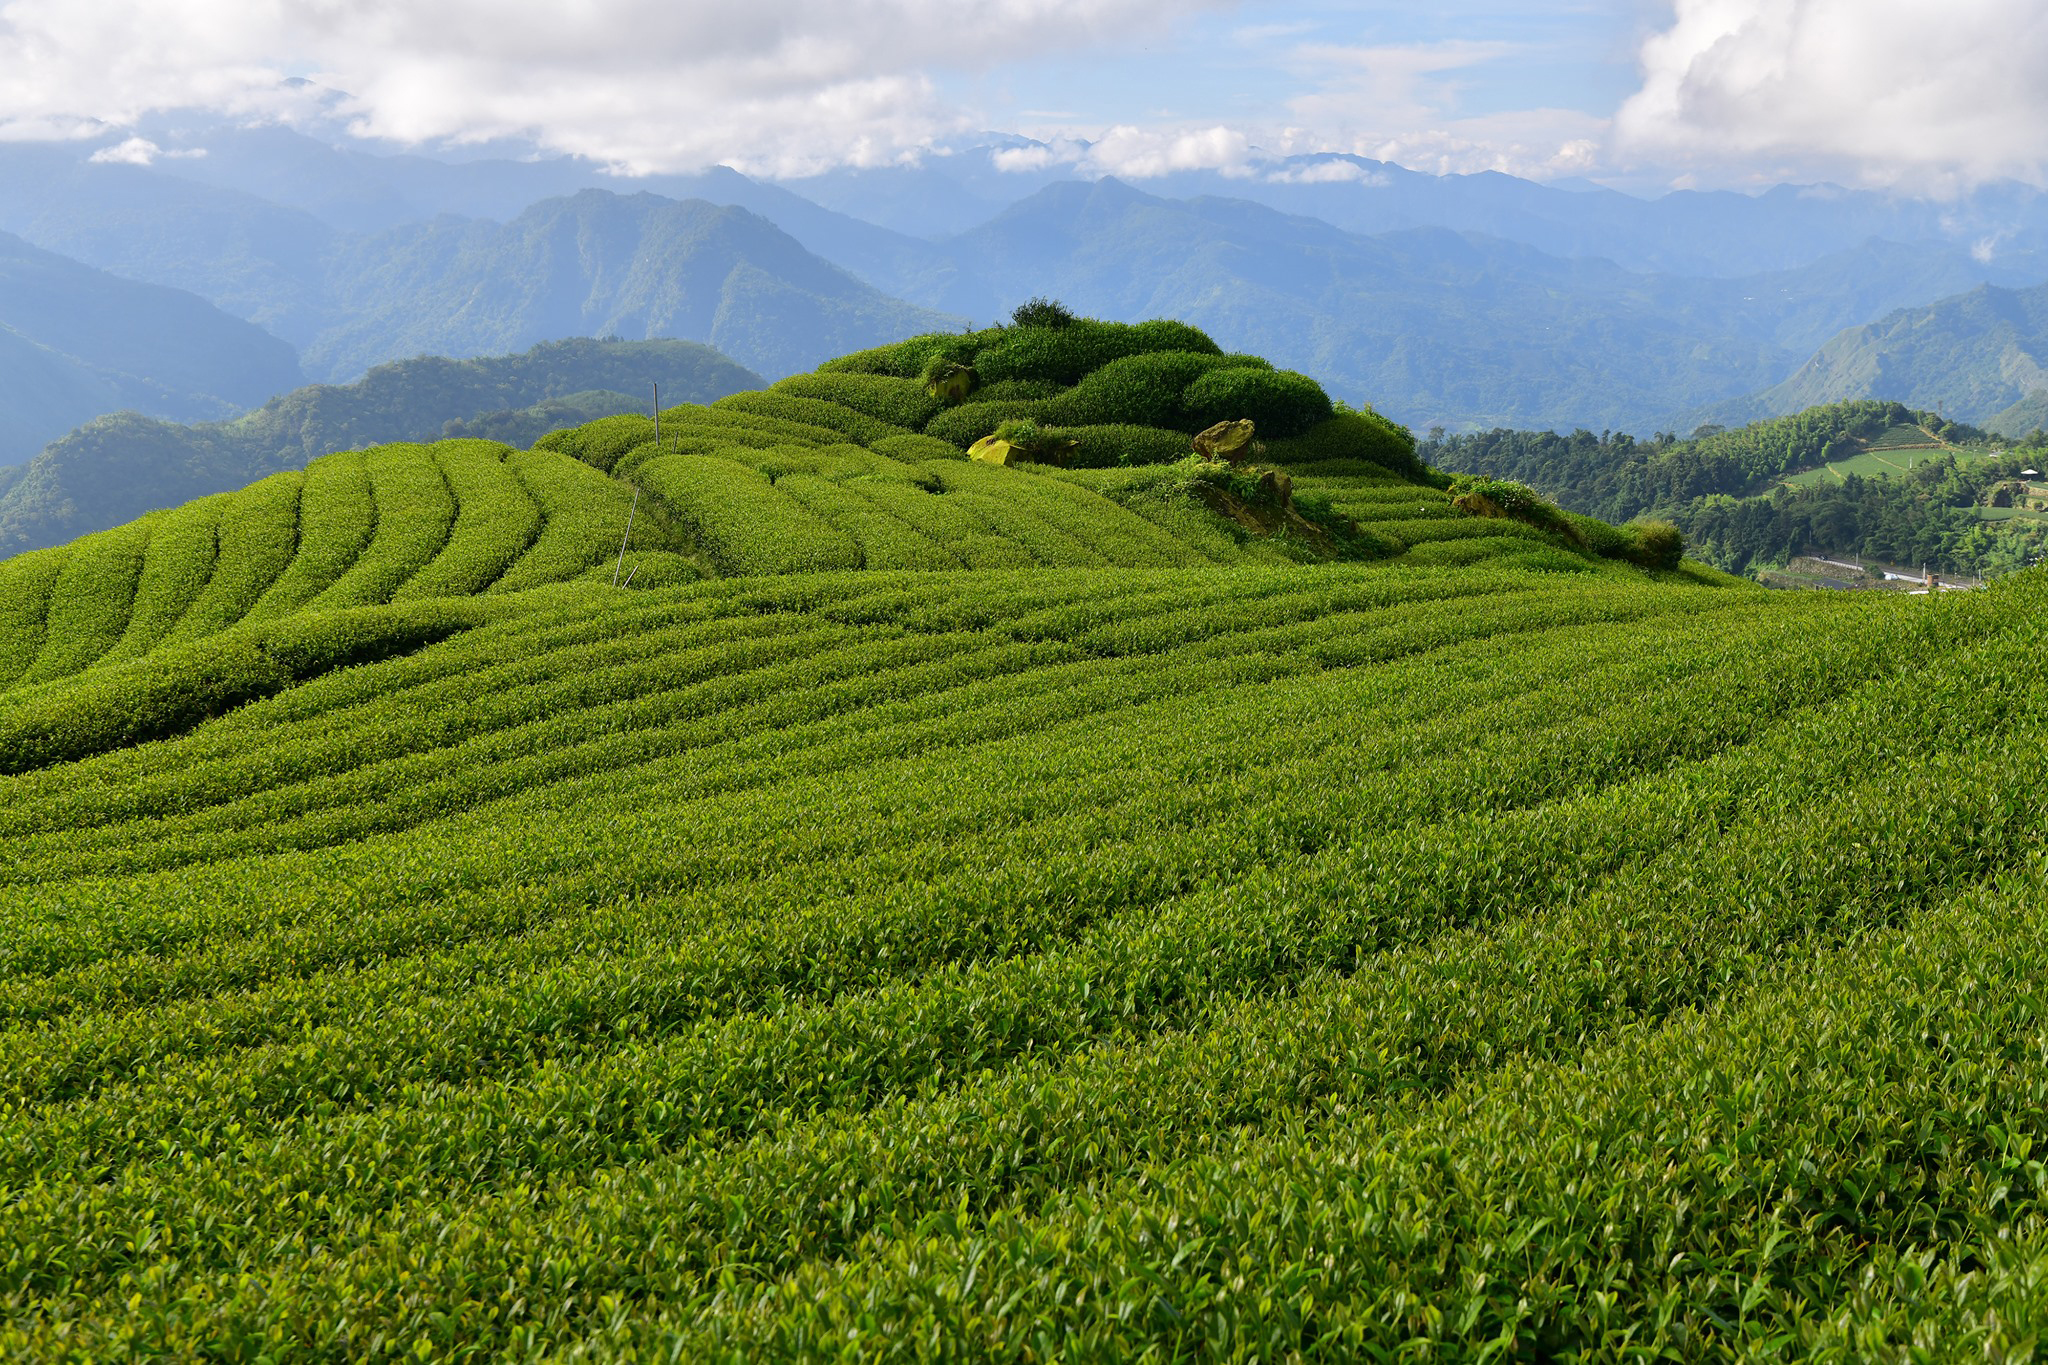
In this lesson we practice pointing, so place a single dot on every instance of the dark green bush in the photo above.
(1109, 445)
(1279, 402)
(1141, 390)
(969, 422)
(1352, 436)
(906, 359)
(1164, 334)
(1517, 502)
(1064, 355)
(813, 412)
(1646, 544)
(1017, 388)
(602, 442)
(1040, 311)
(1657, 544)
(916, 449)
(900, 402)
(1607, 541)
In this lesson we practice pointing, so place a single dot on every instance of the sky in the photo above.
(1929, 97)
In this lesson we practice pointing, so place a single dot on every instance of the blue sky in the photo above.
(1242, 64)
(1926, 95)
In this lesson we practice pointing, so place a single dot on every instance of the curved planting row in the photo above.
(890, 488)
(873, 958)
(356, 529)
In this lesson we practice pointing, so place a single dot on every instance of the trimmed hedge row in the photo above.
(1355, 436)
(743, 525)
(917, 449)
(1144, 390)
(1066, 355)
(181, 686)
(814, 412)
(583, 516)
(337, 517)
(1123, 443)
(495, 522)
(25, 584)
(968, 423)
(414, 512)
(1281, 402)
(91, 598)
(602, 443)
(259, 532)
(176, 567)
(900, 402)
(1058, 355)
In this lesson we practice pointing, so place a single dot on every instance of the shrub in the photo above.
(1517, 502)
(900, 402)
(1353, 436)
(1164, 334)
(915, 449)
(1011, 389)
(1646, 544)
(1603, 539)
(811, 412)
(1144, 390)
(1107, 445)
(969, 422)
(1065, 355)
(1279, 402)
(1658, 544)
(1040, 311)
(906, 359)
(602, 442)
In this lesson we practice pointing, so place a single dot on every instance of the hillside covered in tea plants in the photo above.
(1107, 903)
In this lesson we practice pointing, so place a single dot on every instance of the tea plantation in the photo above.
(1138, 909)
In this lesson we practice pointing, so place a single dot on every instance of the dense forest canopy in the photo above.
(1725, 489)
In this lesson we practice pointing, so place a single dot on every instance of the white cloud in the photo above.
(1333, 172)
(1142, 153)
(643, 85)
(1893, 92)
(140, 151)
(1536, 144)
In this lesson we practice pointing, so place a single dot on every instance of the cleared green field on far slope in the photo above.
(958, 911)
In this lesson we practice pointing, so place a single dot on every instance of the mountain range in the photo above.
(1462, 301)
(1981, 357)
(125, 464)
(76, 342)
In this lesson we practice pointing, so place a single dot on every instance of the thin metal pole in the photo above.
(634, 510)
(626, 537)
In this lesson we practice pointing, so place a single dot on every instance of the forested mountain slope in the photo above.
(595, 263)
(121, 466)
(76, 342)
(1013, 910)
(1980, 357)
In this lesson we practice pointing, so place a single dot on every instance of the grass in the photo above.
(1896, 451)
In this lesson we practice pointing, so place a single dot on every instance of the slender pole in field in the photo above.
(635, 508)
(626, 537)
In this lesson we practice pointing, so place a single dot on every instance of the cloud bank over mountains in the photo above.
(1883, 91)
(1891, 92)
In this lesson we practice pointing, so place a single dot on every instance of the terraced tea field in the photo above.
(957, 911)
